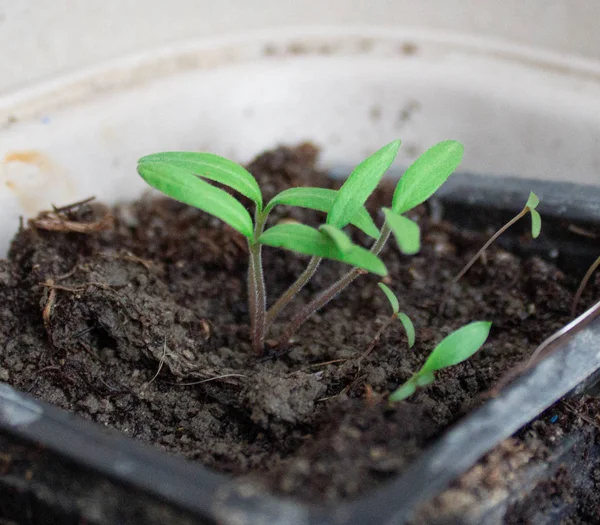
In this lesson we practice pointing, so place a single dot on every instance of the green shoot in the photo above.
(588, 275)
(453, 349)
(396, 314)
(536, 226)
(187, 177)
(421, 180)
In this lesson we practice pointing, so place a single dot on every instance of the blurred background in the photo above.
(86, 87)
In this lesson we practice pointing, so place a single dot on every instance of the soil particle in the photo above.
(144, 328)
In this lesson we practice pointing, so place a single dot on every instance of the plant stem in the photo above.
(583, 284)
(328, 294)
(256, 287)
(376, 338)
(289, 294)
(473, 260)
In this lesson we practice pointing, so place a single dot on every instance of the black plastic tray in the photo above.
(58, 468)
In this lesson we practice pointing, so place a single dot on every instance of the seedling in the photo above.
(184, 175)
(453, 349)
(583, 284)
(396, 314)
(536, 226)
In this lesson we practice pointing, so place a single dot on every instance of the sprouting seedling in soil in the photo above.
(396, 314)
(588, 275)
(453, 349)
(536, 226)
(186, 176)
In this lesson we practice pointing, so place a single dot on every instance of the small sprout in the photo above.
(396, 314)
(536, 226)
(588, 275)
(453, 349)
(409, 328)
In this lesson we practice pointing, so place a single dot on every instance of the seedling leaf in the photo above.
(180, 184)
(406, 232)
(458, 346)
(409, 328)
(360, 184)
(424, 176)
(310, 241)
(424, 379)
(321, 199)
(532, 201)
(536, 223)
(212, 167)
(405, 391)
(343, 243)
(391, 296)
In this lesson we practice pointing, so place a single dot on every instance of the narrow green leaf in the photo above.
(536, 223)
(409, 328)
(212, 167)
(391, 297)
(532, 201)
(181, 185)
(424, 379)
(321, 199)
(405, 391)
(360, 184)
(458, 346)
(424, 176)
(304, 239)
(407, 233)
(343, 243)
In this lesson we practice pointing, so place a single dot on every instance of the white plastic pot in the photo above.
(350, 88)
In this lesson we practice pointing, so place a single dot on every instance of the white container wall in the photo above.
(87, 87)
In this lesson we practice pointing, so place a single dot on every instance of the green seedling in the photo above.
(536, 226)
(187, 177)
(453, 349)
(396, 314)
(588, 275)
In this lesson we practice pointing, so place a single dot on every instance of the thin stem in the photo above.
(256, 287)
(291, 292)
(328, 294)
(473, 260)
(583, 284)
(376, 338)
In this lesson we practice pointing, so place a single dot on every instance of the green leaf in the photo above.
(424, 176)
(536, 223)
(360, 184)
(532, 201)
(424, 378)
(212, 167)
(406, 390)
(304, 239)
(343, 243)
(409, 328)
(407, 233)
(321, 199)
(458, 346)
(391, 297)
(181, 185)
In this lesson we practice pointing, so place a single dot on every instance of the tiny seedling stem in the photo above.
(291, 292)
(583, 284)
(256, 287)
(473, 260)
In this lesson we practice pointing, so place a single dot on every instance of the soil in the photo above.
(143, 328)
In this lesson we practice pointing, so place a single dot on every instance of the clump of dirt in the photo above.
(143, 328)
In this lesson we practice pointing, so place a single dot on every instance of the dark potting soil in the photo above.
(144, 328)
